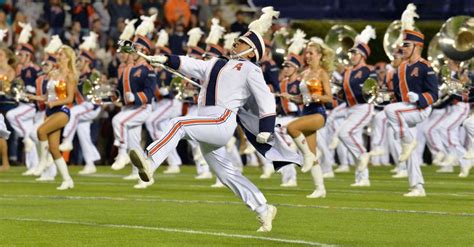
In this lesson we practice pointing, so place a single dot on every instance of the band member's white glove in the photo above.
(30, 89)
(157, 59)
(164, 91)
(130, 97)
(263, 137)
(413, 97)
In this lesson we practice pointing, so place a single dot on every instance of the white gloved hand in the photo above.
(413, 97)
(130, 97)
(157, 60)
(263, 137)
(30, 89)
(164, 91)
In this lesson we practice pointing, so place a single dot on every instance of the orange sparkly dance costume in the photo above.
(57, 90)
(312, 87)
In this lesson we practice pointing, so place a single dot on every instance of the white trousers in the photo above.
(378, 138)
(21, 119)
(80, 121)
(288, 172)
(469, 128)
(127, 126)
(350, 132)
(4, 132)
(433, 138)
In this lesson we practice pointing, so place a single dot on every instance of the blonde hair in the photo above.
(327, 55)
(72, 61)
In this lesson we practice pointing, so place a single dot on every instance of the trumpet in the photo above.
(14, 89)
(98, 92)
(374, 94)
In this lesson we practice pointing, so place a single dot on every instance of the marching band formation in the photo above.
(325, 106)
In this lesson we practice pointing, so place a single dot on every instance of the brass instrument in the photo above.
(341, 38)
(457, 38)
(14, 89)
(393, 38)
(4, 84)
(183, 90)
(435, 54)
(98, 92)
(373, 93)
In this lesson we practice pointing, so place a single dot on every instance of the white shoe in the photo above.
(204, 175)
(267, 173)
(28, 143)
(386, 164)
(308, 162)
(394, 170)
(67, 184)
(469, 155)
(40, 168)
(445, 169)
(144, 171)
(44, 179)
(465, 171)
(376, 164)
(143, 185)
(218, 184)
(172, 170)
(290, 183)
(342, 169)
(120, 162)
(361, 183)
(449, 160)
(377, 151)
(363, 161)
(29, 172)
(267, 219)
(88, 170)
(65, 146)
(438, 158)
(334, 143)
(318, 193)
(407, 149)
(401, 174)
(132, 176)
(415, 193)
(328, 175)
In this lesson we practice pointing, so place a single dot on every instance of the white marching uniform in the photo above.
(378, 140)
(80, 121)
(226, 87)
(4, 132)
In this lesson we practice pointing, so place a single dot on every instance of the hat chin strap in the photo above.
(242, 53)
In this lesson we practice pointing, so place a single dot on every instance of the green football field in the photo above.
(104, 210)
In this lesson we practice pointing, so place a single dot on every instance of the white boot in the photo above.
(28, 143)
(267, 172)
(67, 180)
(218, 184)
(290, 183)
(43, 158)
(469, 155)
(401, 174)
(363, 161)
(317, 174)
(465, 171)
(342, 169)
(438, 158)
(416, 192)
(172, 170)
(66, 146)
(329, 175)
(377, 151)
(120, 162)
(407, 149)
(204, 175)
(143, 185)
(266, 219)
(361, 183)
(309, 157)
(88, 169)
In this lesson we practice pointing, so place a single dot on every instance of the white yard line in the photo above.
(177, 201)
(172, 230)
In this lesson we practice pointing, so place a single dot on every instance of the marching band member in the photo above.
(21, 118)
(60, 93)
(359, 113)
(315, 92)
(290, 89)
(165, 106)
(227, 86)
(449, 126)
(136, 88)
(416, 88)
(7, 73)
(84, 111)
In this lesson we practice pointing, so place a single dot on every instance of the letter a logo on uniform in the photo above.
(414, 73)
(238, 66)
(138, 73)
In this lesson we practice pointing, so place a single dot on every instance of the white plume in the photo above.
(408, 17)
(3, 33)
(229, 39)
(25, 33)
(195, 35)
(162, 38)
(264, 23)
(282, 31)
(54, 44)
(297, 42)
(129, 29)
(366, 35)
(216, 32)
(90, 42)
(147, 25)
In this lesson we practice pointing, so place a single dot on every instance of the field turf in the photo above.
(104, 210)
